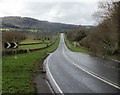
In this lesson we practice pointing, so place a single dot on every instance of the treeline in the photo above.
(13, 36)
(42, 36)
(80, 33)
(104, 39)
(20, 35)
(77, 35)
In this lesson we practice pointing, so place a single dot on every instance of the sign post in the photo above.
(11, 46)
(74, 44)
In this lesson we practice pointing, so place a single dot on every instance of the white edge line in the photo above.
(92, 74)
(52, 75)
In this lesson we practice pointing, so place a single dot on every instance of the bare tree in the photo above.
(13, 36)
(107, 36)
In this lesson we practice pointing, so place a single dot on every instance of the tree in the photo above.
(118, 8)
(106, 38)
(76, 35)
(13, 36)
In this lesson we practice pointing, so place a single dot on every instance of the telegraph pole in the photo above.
(119, 26)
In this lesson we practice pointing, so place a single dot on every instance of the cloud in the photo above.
(66, 12)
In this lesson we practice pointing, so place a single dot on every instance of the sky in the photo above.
(77, 12)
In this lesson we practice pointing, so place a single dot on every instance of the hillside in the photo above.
(31, 23)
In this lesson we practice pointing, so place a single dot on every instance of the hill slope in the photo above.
(31, 23)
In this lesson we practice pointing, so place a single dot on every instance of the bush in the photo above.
(76, 35)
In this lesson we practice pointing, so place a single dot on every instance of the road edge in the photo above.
(52, 82)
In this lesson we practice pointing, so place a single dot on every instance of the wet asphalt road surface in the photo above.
(81, 73)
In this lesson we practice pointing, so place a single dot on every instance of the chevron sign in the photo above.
(10, 45)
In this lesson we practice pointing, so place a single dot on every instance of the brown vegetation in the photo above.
(13, 36)
(105, 39)
(76, 35)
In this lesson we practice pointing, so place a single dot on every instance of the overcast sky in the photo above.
(65, 11)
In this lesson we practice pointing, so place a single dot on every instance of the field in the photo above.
(18, 71)
(30, 30)
(32, 46)
(28, 41)
(75, 49)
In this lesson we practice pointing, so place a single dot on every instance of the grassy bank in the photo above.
(18, 72)
(75, 49)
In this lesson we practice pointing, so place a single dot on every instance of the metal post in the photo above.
(15, 54)
(119, 26)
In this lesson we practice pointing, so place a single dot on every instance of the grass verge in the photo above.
(75, 49)
(18, 72)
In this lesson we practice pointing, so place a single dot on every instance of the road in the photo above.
(72, 72)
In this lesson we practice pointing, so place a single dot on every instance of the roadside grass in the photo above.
(74, 49)
(18, 73)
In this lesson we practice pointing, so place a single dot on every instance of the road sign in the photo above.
(10, 45)
(74, 44)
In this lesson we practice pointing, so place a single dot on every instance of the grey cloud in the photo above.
(71, 12)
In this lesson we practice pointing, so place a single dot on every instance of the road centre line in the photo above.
(91, 73)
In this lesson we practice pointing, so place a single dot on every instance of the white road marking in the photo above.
(47, 67)
(91, 73)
